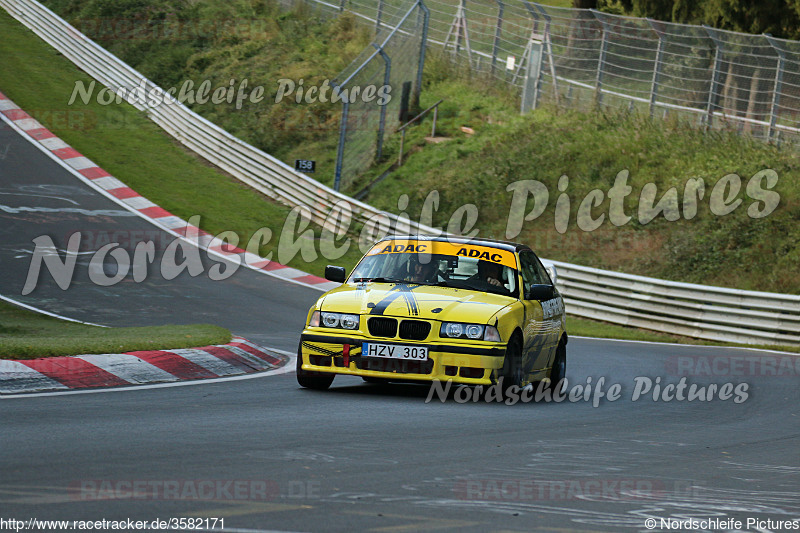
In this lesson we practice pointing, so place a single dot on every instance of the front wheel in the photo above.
(559, 370)
(512, 374)
(312, 380)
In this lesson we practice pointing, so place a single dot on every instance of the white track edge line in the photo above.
(48, 313)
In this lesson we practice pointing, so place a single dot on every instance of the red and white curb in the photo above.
(240, 356)
(89, 172)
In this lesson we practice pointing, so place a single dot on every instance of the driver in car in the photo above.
(420, 272)
(490, 273)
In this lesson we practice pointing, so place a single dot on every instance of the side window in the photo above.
(531, 270)
(545, 277)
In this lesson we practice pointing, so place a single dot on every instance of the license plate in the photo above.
(394, 351)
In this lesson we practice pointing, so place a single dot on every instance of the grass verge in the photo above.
(28, 335)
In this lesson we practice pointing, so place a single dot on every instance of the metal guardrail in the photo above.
(700, 311)
(712, 313)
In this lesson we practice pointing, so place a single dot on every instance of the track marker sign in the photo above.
(305, 165)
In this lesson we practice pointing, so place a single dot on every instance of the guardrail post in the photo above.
(337, 179)
(386, 79)
(713, 90)
(776, 92)
(497, 30)
(598, 84)
(656, 66)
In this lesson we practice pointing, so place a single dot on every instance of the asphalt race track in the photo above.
(39, 197)
(263, 454)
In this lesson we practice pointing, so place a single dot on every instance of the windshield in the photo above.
(474, 267)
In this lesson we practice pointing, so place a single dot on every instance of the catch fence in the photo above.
(583, 58)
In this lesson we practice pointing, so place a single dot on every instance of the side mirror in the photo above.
(335, 273)
(540, 292)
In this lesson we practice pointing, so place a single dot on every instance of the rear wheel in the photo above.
(309, 379)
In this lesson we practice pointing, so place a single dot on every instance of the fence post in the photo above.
(497, 30)
(378, 17)
(549, 47)
(386, 79)
(533, 78)
(426, 16)
(656, 67)
(601, 60)
(341, 4)
(776, 92)
(458, 29)
(713, 90)
(342, 135)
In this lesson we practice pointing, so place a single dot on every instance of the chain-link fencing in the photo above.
(385, 78)
(585, 58)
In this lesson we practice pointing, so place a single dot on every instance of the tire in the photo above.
(559, 369)
(511, 373)
(312, 380)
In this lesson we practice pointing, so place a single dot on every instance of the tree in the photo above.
(748, 16)
(780, 18)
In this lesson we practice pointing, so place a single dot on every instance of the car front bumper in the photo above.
(470, 363)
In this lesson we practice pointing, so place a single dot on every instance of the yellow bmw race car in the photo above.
(419, 308)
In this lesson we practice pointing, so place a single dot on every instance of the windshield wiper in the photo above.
(392, 280)
(442, 283)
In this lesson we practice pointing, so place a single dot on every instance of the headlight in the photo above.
(349, 321)
(333, 320)
(453, 330)
(456, 330)
(474, 331)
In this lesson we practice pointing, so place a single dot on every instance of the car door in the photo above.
(542, 322)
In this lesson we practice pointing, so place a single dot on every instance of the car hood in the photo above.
(410, 300)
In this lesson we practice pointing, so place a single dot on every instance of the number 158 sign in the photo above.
(304, 165)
